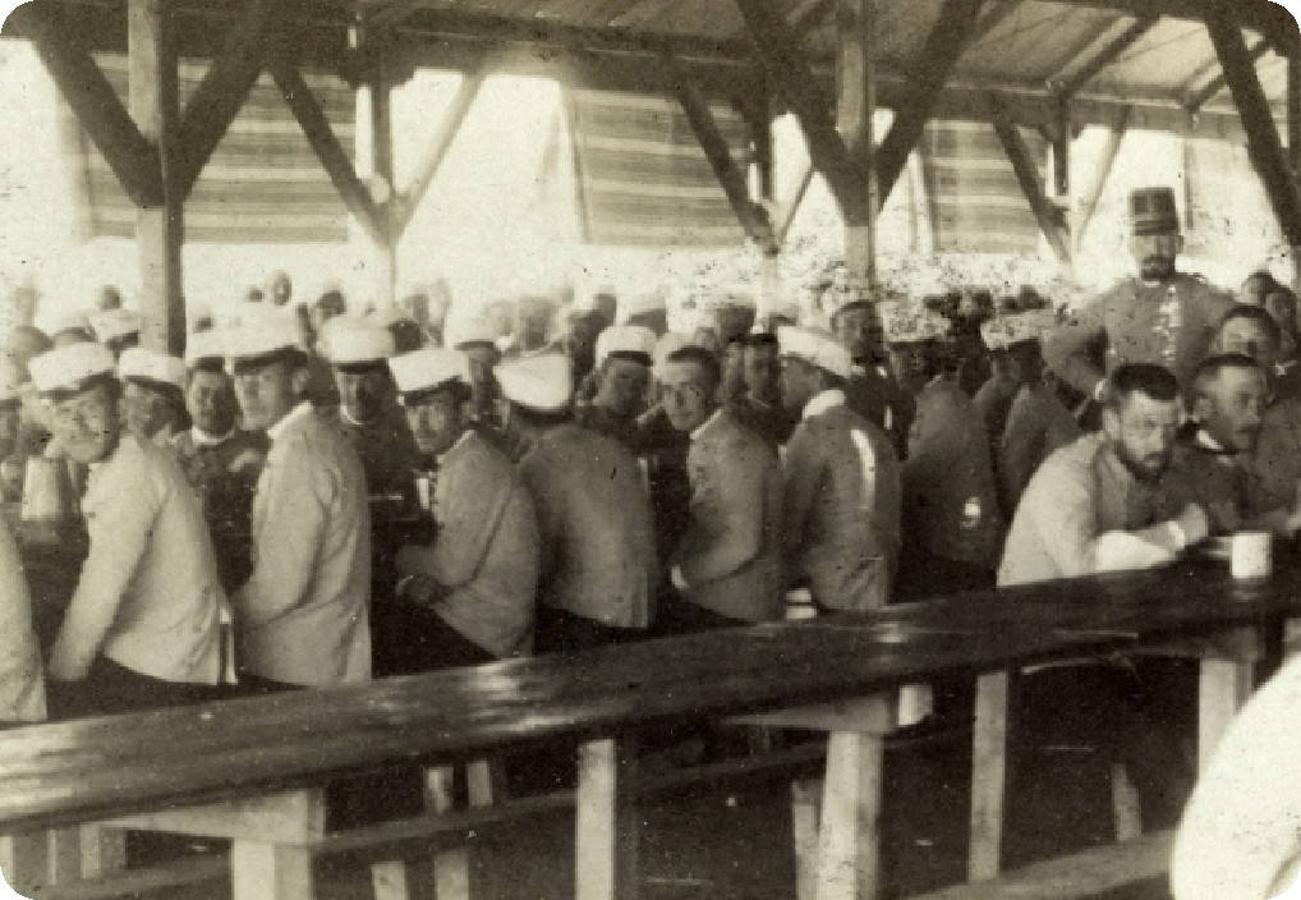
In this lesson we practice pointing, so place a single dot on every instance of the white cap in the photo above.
(469, 330)
(911, 323)
(671, 342)
(77, 319)
(10, 379)
(1003, 331)
(263, 329)
(136, 362)
(113, 324)
(636, 304)
(350, 341)
(815, 347)
(67, 368)
(204, 346)
(630, 341)
(429, 368)
(543, 383)
(388, 315)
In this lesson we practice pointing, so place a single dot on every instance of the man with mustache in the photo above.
(1163, 317)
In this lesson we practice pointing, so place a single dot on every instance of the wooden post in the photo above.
(159, 228)
(1106, 159)
(1294, 139)
(605, 825)
(380, 89)
(855, 104)
(1027, 175)
(988, 775)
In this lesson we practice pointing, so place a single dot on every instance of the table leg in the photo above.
(606, 827)
(24, 860)
(849, 840)
(988, 775)
(451, 866)
(1224, 685)
(806, 797)
(270, 872)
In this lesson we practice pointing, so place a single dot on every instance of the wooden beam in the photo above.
(1263, 144)
(380, 88)
(991, 18)
(855, 111)
(223, 90)
(1294, 112)
(943, 47)
(129, 153)
(448, 127)
(1201, 96)
(1106, 56)
(1063, 134)
(1106, 160)
(751, 216)
(792, 207)
(326, 145)
(790, 73)
(160, 228)
(1027, 175)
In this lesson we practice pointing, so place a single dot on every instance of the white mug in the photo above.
(1252, 555)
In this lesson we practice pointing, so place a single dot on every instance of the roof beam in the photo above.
(224, 89)
(751, 215)
(1106, 160)
(994, 16)
(1027, 175)
(1262, 16)
(1263, 143)
(779, 51)
(1198, 98)
(132, 157)
(311, 118)
(939, 54)
(1106, 56)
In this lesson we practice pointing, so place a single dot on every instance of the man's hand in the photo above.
(1193, 524)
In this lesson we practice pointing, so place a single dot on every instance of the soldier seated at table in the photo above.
(599, 569)
(842, 492)
(222, 460)
(468, 597)
(143, 626)
(1216, 461)
(153, 395)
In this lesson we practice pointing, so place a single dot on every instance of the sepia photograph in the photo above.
(650, 449)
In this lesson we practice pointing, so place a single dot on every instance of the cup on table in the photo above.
(1252, 555)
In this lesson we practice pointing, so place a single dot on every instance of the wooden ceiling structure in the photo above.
(1227, 68)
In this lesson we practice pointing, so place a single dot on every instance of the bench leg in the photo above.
(849, 840)
(988, 775)
(805, 811)
(606, 826)
(1224, 685)
(24, 860)
(451, 867)
(1125, 805)
(389, 880)
(270, 872)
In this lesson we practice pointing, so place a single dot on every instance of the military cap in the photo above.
(422, 372)
(350, 342)
(638, 304)
(112, 324)
(543, 383)
(72, 368)
(911, 323)
(815, 347)
(469, 331)
(205, 349)
(1152, 211)
(9, 382)
(633, 342)
(73, 320)
(138, 364)
(1002, 331)
(262, 335)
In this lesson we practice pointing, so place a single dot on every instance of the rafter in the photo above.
(991, 18)
(132, 157)
(1027, 175)
(1203, 95)
(1106, 56)
(1106, 160)
(943, 47)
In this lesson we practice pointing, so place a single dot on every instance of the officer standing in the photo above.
(143, 627)
(1163, 317)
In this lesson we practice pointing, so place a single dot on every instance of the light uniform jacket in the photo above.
(1037, 424)
(841, 506)
(148, 597)
(1170, 324)
(1276, 461)
(487, 552)
(22, 681)
(594, 517)
(730, 554)
(950, 506)
(1082, 513)
(303, 617)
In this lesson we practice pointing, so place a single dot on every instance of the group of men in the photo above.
(255, 525)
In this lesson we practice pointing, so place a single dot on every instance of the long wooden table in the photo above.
(840, 672)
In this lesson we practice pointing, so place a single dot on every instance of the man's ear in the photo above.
(299, 381)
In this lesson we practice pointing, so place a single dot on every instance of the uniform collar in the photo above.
(704, 426)
(303, 409)
(822, 402)
(201, 438)
(465, 436)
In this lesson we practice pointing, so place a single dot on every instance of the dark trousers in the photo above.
(559, 631)
(679, 616)
(424, 643)
(111, 689)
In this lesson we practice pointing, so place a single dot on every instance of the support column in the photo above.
(159, 227)
(1294, 140)
(855, 104)
(382, 182)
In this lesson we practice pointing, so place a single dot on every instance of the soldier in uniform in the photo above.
(467, 597)
(622, 379)
(1163, 317)
(759, 406)
(950, 504)
(22, 679)
(599, 568)
(841, 500)
(302, 618)
(143, 626)
(476, 338)
(153, 395)
(117, 329)
(221, 460)
(870, 391)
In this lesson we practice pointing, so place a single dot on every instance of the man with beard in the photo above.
(1163, 317)
(1097, 504)
(221, 460)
